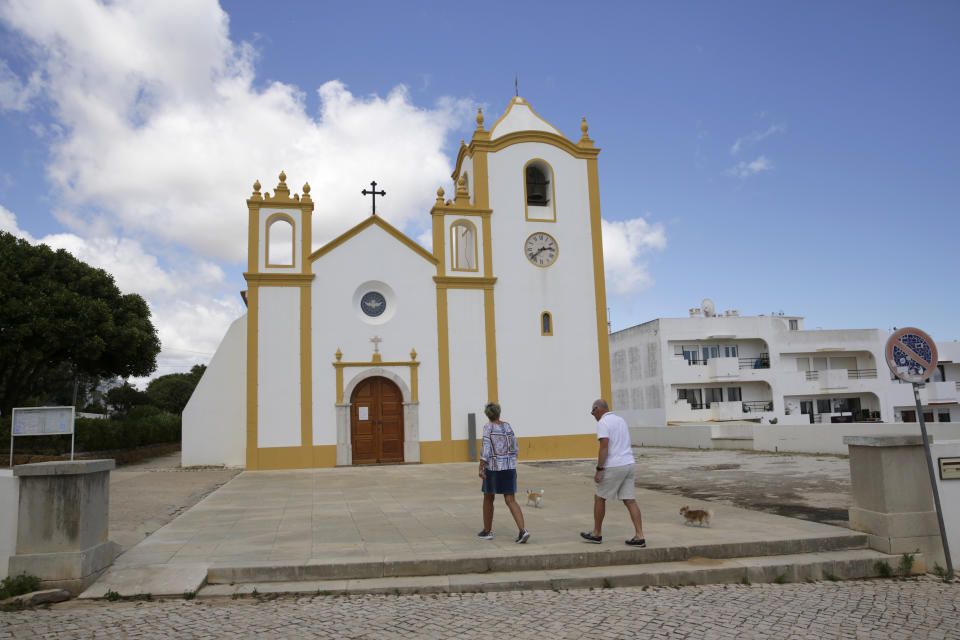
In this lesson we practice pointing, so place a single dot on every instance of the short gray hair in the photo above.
(492, 411)
(601, 404)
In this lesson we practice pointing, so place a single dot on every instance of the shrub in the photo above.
(18, 585)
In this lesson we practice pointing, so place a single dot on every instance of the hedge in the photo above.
(142, 426)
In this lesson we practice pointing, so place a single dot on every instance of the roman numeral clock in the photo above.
(541, 249)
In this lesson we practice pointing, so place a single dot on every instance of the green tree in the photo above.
(60, 318)
(172, 391)
(126, 397)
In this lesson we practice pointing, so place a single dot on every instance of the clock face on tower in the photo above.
(541, 249)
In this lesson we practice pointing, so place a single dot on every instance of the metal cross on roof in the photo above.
(374, 193)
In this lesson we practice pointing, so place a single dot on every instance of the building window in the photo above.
(909, 416)
(713, 394)
(733, 394)
(928, 416)
(463, 246)
(943, 416)
(279, 241)
(546, 324)
(823, 406)
(794, 325)
(730, 351)
(693, 396)
(806, 407)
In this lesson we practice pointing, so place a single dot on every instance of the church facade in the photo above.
(372, 349)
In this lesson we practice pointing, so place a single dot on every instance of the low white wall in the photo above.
(683, 436)
(214, 420)
(806, 438)
(828, 438)
(9, 508)
(949, 496)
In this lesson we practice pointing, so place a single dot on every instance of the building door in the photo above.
(376, 422)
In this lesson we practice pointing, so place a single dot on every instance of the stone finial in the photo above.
(413, 355)
(440, 193)
(585, 141)
(338, 355)
(306, 188)
(462, 196)
(256, 191)
(282, 192)
(583, 126)
(479, 118)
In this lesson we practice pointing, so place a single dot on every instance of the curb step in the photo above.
(532, 560)
(829, 565)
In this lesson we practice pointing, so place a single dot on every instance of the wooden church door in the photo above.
(376, 422)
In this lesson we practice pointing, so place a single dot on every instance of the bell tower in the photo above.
(278, 329)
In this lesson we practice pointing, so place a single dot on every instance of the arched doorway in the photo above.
(376, 422)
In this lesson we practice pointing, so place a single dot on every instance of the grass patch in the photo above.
(882, 567)
(781, 578)
(905, 566)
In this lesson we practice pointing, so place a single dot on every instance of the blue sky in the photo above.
(771, 156)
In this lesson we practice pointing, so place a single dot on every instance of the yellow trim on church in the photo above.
(383, 224)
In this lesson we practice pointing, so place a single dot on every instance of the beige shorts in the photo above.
(617, 482)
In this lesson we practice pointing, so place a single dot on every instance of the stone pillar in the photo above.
(62, 523)
(892, 498)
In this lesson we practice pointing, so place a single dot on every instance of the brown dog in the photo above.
(700, 516)
(534, 496)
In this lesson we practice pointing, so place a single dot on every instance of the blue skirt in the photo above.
(500, 481)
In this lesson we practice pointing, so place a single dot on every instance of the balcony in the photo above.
(939, 393)
(757, 406)
(760, 362)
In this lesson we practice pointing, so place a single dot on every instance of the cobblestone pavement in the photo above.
(924, 608)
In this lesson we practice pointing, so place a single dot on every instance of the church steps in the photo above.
(827, 565)
(519, 559)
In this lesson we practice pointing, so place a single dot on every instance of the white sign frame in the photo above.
(48, 421)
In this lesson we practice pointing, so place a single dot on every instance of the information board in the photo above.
(42, 421)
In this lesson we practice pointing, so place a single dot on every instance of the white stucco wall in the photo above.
(9, 507)
(949, 497)
(520, 118)
(278, 367)
(533, 395)
(468, 365)
(214, 420)
(373, 256)
(637, 376)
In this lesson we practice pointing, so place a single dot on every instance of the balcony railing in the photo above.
(862, 374)
(760, 362)
(813, 375)
(754, 406)
(958, 386)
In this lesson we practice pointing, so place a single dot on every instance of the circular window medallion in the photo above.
(373, 303)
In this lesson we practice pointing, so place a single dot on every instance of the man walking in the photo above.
(616, 473)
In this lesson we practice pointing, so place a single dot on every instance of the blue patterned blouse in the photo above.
(499, 446)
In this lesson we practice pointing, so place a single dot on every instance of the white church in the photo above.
(373, 350)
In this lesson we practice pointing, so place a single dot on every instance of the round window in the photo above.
(373, 303)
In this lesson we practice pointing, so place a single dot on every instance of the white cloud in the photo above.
(625, 243)
(160, 130)
(755, 137)
(14, 94)
(746, 169)
(165, 132)
(8, 223)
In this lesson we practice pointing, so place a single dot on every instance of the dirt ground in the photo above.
(812, 487)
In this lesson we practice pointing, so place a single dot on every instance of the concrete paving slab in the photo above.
(261, 524)
(157, 580)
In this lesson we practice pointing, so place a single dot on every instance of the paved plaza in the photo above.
(876, 609)
(254, 515)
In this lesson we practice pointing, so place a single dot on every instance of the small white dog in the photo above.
(534, 496)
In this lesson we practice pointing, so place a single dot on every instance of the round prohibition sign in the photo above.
(911, 355)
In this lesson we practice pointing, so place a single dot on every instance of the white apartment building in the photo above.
(725, 367)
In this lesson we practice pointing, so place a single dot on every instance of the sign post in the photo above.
(912, 356)
(41, 421)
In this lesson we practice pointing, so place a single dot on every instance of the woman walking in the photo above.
(498, 469)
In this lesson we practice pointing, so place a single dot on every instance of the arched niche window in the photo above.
(463, 246)
(546, 324)
(279, 241)
(539, 191)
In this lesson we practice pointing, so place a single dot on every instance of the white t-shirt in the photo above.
(619, 451)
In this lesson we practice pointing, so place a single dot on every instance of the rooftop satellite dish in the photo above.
(707, 306)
